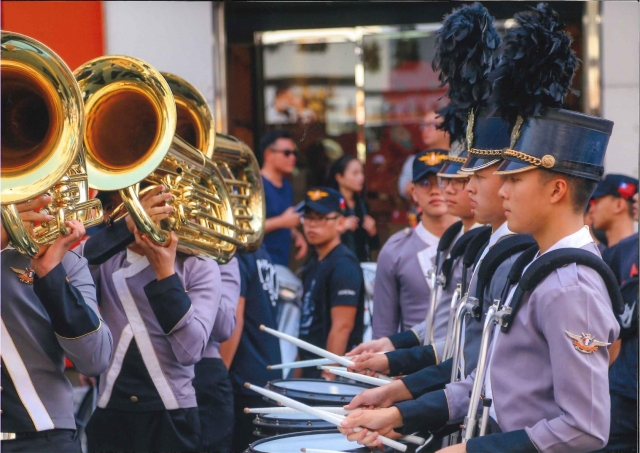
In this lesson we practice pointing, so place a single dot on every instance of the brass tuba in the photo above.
(42, 127)
(130, 136)
(234, 159)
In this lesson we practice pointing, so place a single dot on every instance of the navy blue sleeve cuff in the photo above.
(404, 340)
(429, 412)
(513, 442)
(168, 300)
(429, 379)
(70, 316)
(107, 242)
(405, 361)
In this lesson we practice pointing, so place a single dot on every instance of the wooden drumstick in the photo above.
(287, 410)
(309, 347)
(331, 418)
(356, 376)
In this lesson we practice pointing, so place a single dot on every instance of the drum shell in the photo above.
(325, 440)
(268, 425)
(318, 392)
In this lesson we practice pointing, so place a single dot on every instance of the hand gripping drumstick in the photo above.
(314, 349)
(331, 418)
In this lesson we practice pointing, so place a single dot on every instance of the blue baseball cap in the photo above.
(620, 186)
(426, 162)
(322, 200)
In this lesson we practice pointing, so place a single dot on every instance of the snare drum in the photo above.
(322, 440)
(273, 424)
(317, 392)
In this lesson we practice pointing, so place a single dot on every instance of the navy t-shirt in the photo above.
(336, 280)
(278, 199)
(623, 374)
(257, 349)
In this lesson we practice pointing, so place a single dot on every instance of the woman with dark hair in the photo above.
(347, 176)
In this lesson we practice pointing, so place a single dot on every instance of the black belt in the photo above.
(34, 434)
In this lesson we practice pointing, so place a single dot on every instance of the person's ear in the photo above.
(558, 190)
(414, 196)
(340, 224)
(339, 179)
(619, 205)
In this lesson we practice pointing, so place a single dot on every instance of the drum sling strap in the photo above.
(457, 251)
(499, 253)
(547, 263)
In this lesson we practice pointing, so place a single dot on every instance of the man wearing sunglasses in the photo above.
(279, 157)
(333, 300)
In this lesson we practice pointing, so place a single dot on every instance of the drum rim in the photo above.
(293, 391)
(265, 422)
(282, 436)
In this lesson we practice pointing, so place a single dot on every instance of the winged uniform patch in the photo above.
(25, 275)
(586, 343)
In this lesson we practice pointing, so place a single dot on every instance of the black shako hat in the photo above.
(451, 166)
(466, 47)
(322, 200)
(530, 82)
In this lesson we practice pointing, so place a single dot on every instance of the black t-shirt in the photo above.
(623, 260)
(257, 349)
(359, 241)
(336, 280)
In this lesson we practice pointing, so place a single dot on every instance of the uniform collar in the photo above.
(132, 256)
(576, 240)
(426, 236)
(502, 231)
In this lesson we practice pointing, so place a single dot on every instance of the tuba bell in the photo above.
(42, 127)
(130, 136)
(234, 159)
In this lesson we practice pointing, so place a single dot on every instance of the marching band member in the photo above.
(333, 299)
(212, 384)
(401, 293)
(161, 306)
(458, 205)
(565, 323)
(49, 311)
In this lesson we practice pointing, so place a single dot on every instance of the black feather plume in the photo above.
(536, 67)
(465, 47)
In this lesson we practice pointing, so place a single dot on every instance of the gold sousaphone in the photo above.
(234, 159)
(130, 136)
(42, 127)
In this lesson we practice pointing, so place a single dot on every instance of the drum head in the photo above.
(292, 443)
(319, 386)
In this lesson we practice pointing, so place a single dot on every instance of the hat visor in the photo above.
(450, 170)
(315, 207)
(475, 162)
(512, 165)
(425, 172)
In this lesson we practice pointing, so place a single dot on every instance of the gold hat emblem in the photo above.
(432, 158)
(315, 195)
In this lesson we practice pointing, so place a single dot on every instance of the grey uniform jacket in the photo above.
(161, 329)
(43, 322)
(225, 322)
(543, 384)
(401, 295)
